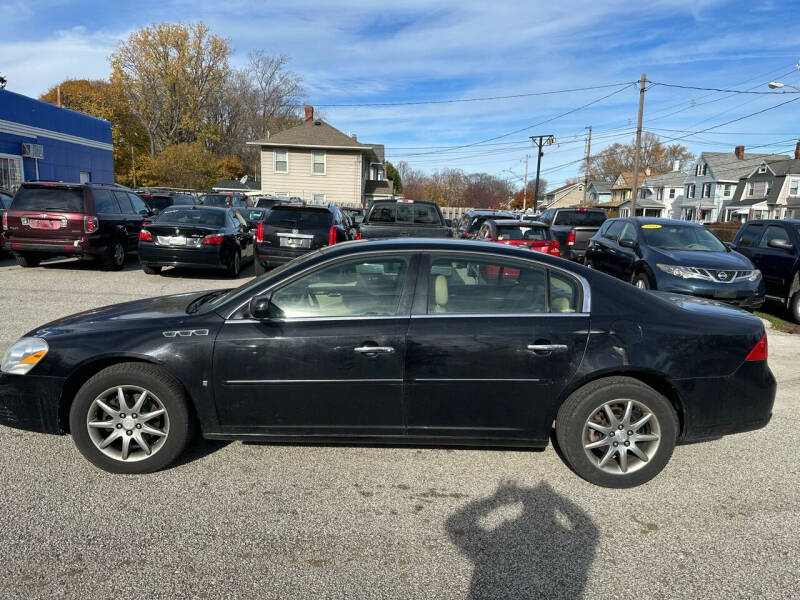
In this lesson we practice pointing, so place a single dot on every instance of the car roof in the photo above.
(517, 222)
(487, 211)
(658, 221)
(199, 207)
(772, 221)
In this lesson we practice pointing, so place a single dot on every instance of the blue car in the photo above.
(675, 256)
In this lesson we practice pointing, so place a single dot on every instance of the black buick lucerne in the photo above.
(411, 341)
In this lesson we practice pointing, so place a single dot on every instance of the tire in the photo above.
(151, 270)
(114, 258)
(27, 259)
(642, 281)
(587, 403)
(235, 266)
(164, 392)
(794, 307)
(258, 267)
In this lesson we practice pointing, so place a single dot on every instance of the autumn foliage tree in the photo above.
(607, 164)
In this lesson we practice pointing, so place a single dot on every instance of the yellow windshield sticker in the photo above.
(651, 226)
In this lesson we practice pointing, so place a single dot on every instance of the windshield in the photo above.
(680, 237)
(191, 216)
(36, 198)
(405, 212)
(215, 199)
(266, 202)
(580, 218)
(252, 215)
(159, 202)
(521, 232)
(299, 218)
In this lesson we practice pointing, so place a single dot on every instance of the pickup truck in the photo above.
(404, 218)
(573, 227)
(773, 246)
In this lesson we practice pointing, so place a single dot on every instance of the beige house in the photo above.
(565, 196)
(320, 164)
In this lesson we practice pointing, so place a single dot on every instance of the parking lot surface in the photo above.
(236, 520)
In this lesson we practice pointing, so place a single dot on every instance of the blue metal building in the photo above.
(42, 141)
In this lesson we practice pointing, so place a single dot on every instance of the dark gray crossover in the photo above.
(415, 341)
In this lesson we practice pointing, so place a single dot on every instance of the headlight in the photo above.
(754, 275)
(684, 272)
(24, 355)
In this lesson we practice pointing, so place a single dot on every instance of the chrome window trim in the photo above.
(280, 381)
(498, 315)
(320, 319)
(429, 380)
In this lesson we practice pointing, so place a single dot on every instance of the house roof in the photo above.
(313, 134)
(602, 187)
(673, 178)
(726, 167)
(627, 176)
(563, 188)
(784, 167)
(235, 184)
(643, 203)
(695, 202)
(775, 185)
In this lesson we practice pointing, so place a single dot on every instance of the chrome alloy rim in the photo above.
(127, 423)
(621, 436)
(640, 284)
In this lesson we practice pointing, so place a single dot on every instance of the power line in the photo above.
(456, 100)
(692, 87)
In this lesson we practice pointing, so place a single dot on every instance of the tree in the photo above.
(187, 165)
(618, 158)
(394, 176)
(171, 75)
(228, 167)
(517, 201)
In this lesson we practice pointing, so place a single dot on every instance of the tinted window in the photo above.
(221, 200)
(159, 202)
(49, 199)
(105, 202)
(680, 237)
(580, 218)
(419, 214)
(773, 232)
(191, 216)
(368, 286)
(751, 235)
(546, 217)
(253, 214)
(299, 219)
(521, 232)
(124, 202)
(476, 286)
(266, 202)
(613, 231)
(628, 232)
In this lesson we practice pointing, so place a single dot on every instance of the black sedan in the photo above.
(198, 237)
(401, 341)
(675, 256)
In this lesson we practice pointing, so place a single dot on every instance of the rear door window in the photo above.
(104, 202)
(751, 235)
(139, 207)
(613, 230)
(47, 198)
(124, 203)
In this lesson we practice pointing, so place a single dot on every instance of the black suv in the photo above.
(472, 220)
(291, 230)
(773, 246)
(86, 220)
(158, 200)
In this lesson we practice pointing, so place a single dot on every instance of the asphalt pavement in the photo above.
(242, 520)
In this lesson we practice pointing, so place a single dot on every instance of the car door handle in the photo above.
(547, 347)
(374, 349)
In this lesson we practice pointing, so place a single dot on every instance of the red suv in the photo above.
(89, 220)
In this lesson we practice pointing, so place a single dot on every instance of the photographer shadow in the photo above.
(525, 543)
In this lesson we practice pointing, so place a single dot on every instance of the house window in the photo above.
(671, 193)
(705, 169)
(750, 189)
(318, 163)
(281, 161)
(690, 190)
(319, 199)
(793, 186)
(10, 172)
(706, 190)
(660, 194)
(727, 190)
(762, 169)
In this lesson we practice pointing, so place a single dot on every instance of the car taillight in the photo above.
(213, 240)
(555, 248)
(759, 351)
(145, 236)
(571, 238)
(260, 233)
(90, 224)
(332, 235)
(358, 235)
(5, 220)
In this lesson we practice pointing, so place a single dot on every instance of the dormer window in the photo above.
(762, 169)
(705, 169)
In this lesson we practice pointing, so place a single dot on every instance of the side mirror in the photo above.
(781, 244)
(261, 308)
(153, 212)
(627, 243)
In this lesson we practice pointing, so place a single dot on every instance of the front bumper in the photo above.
(747, 294)
(718, 406)
(208, 257)
(30, 402)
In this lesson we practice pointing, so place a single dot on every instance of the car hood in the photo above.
(707, 260)
(116, 315)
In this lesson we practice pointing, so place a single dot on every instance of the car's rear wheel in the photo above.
(151, 270)
(235, 266)
(642, 281)
(26, 259)
(794, 307)
(131, 418)
(258, 266)
(114, 257)
(617, 432)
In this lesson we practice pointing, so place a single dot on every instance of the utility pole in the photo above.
(525, 186)
(586, 165)
(539, 140)
(638, 148)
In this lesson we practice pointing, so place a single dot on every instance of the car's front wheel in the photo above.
(794, 307)
(131, 418)
(617, 432)
(642, 281)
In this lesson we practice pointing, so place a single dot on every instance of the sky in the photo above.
(366, 52)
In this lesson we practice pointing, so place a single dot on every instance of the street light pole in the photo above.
(539, 140)
(525, 186)
(638, 147)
